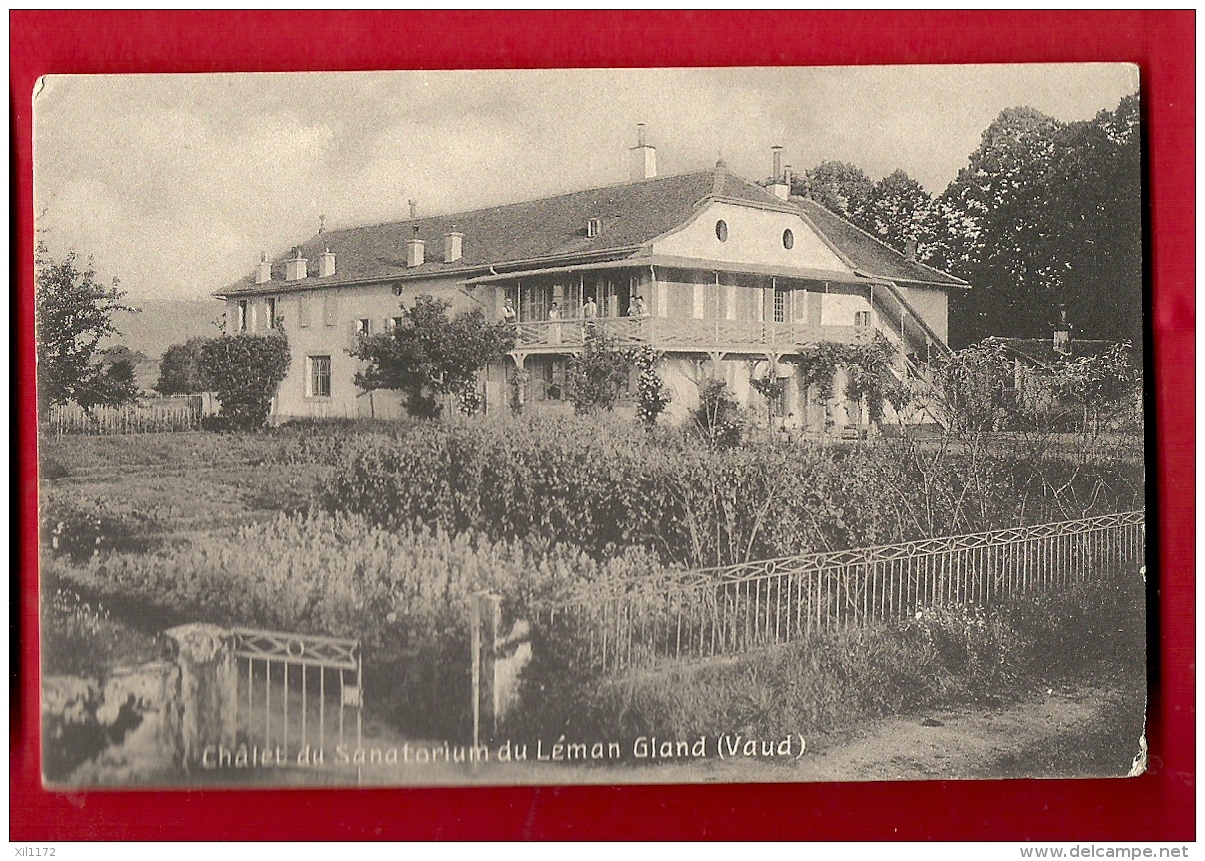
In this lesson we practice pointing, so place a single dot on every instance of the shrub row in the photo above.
(601, 485)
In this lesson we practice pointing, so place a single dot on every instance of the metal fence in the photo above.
(726, 611)
(298, 691)
(153, 415)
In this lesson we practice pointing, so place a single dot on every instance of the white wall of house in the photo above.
(753, 236)
(322, 326)
(933, 305)
(841, 309)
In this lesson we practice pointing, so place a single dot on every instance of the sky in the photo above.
(175, 184)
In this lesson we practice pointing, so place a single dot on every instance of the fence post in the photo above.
(205, 711)
(485, 620)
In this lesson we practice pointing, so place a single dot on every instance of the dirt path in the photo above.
(1044, 736)
(1081, 731)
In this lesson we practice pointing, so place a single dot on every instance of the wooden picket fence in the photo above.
(151, 415)
(727, 611)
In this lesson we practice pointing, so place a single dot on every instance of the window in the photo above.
(270, 304)
(721, 230)
(320, 376)
(363, 326)
(303, 311)
(780, 306)
(593, 226)
(392, 323)
(861, 318)
(243, 308)
(788, 239)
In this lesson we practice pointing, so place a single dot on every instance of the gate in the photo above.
(298, 689)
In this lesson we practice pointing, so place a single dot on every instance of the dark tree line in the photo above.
(1044, 213)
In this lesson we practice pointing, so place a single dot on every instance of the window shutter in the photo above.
(330, 309)
(303, 311)
(815, 305)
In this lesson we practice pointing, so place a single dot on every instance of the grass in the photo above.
(164, 496)
(82, 638)
(182, 486)
(1091, 635)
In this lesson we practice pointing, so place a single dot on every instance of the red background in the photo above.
(1157, 806)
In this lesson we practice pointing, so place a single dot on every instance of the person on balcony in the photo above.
(589, 314)
(554, 330)
(636, 310)
(508, 312)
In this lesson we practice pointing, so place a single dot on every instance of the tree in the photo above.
(246, 370)
(867, 366)
(72, 314)
(839, 187)
(718, 416)
(975, 386)
(430, 354)
(898, 209)
(181, 370)
(1047, 213)
(1095, 188)
(121, 352)
(1092, 393)
(114, 385)
(1001, 231)
(597, 374)
(771, 388)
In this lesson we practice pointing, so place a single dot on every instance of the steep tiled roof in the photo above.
(867, 253)
(554, 227)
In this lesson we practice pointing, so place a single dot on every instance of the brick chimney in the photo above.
(452, 244)
(643, 157)
(414, 250)
(263, 274)
(326, 264)
(295, 268)
(778, 187)
(910, 249)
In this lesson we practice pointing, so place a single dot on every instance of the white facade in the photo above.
(735, 290)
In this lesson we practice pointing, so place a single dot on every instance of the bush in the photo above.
(597, 374)
(430, 354)
(576, 482)
(598, 486)
(81, 638)
(80, 531)
(652, 394)
(944, 655)
(245, 371)
(181, 370)
(967, 641)
(404, 594)
(718, 416)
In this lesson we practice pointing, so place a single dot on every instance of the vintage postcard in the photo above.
(591, 426)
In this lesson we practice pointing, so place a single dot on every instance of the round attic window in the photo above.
(721, 230)
(788, 239)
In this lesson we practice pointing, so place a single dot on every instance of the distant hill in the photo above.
(161, 324)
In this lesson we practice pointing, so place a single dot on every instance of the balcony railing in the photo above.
(671, 333)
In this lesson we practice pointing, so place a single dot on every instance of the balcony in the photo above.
(681, 334)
